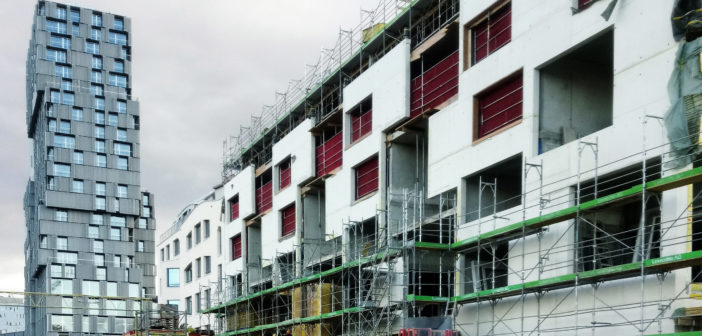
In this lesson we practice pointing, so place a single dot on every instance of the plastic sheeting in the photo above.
(682, 119)
(687, 19)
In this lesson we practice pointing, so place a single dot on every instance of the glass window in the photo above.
(93, 231)
(55, 97)
(118, 221)
(62, 323)
(64, 141)
(122, 149)
(95, 34)
(51, 185)
(117, 38)
(97, 20)
(75, 29)
(176, 247)
(52, 125)
(77, 114)
(100, 133)
(118, 80)
(100, 203)
(75, 15)
(96, 90)
(65, 126)
(189, 305)
(98, 247)
(69, 271)
(140, 246)
(100, 273)
(121, 134)
(67, 85)
(142, 223)
(208, 265)
(207, 228)
(100, 146)
(67, 257)
(50, 153)
(189, 273)
(60, 42)
(101, 325)
(119, 66)
(100, 188)
(50, 110)
(61, 216)
(85, 326)
(112, 119)
(96, 219)
(92, 47)
(116, 261)
(77, 186)
(68, 98)
(62, 243)
(66, 305)
(61, 13)
(56, 26)
(96, 76)
(97, 62)
(121, 106)
(100, 105)
(197, 234)
(62, 170)
(119, 23)
(63, 71)
(62, 286)
(121, 190)
(115, 307)
(100, 118)
(56, 271)
(99, 258)
(111, 288)
(133, 290)
(123, 164)
(115, 234)
(43, 243)
(94, 308)
(56, 55)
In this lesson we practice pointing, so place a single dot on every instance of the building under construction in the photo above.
(475, 168)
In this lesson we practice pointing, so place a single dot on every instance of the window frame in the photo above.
(361, 120)
(486, 17)
(236, 246)
(360, 171)
(288, 223)
(284, 173)
(478, 111)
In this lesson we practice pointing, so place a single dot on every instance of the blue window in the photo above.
(100, 105)
(119, 66)
(63, 141)
(121, 106)
(96, 76)
(61, 13)
(97, 20)
(96, 89)
(92, 47)
(112, 120)
(63, 71)
(60, 42)
(173, 277)
(77, 114)
(118, 38)
(62, 170)
(122, 163)
(56, 55)
(75, 15)
(68, 98)
(118, 80)
(119, 23)
(55, 97)
(99, 118)
(75, 30)
(97, 62)
(67, 85)
(95, 34)
(56, 27)
(122, 149)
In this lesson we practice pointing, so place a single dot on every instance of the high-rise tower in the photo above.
(90, 228)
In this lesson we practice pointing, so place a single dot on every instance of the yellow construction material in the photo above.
(297, 304)
(322, 298)
(318, 329)
(299, 330)
(370, 32)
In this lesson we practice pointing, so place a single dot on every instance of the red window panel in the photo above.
(361, 120)
(434, 86)
(584, 3)
(287, 216)
(500, 106)
(367, 177)
(236, 247)
(234, 208)
(264, 192)
(329, 154)
(284, 171)
(492, 33)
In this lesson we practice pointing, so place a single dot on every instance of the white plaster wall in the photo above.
(299, 143)
(207, 210)
(242, 184)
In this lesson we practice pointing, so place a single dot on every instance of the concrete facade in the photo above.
(191, 268)
(90, 227)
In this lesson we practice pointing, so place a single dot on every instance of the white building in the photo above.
(11, 315)
(490, 167)
(190, 259)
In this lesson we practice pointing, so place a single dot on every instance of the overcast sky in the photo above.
(201, 68)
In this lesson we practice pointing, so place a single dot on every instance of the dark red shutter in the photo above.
(500, 106)
(285, 173)
(434, 86)
(492, 33)
(329, 154)
(584, 3)
(234, 208)
(236, 247)
(367, 177)
(288, 220)
(361, 121)
(264, 192)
